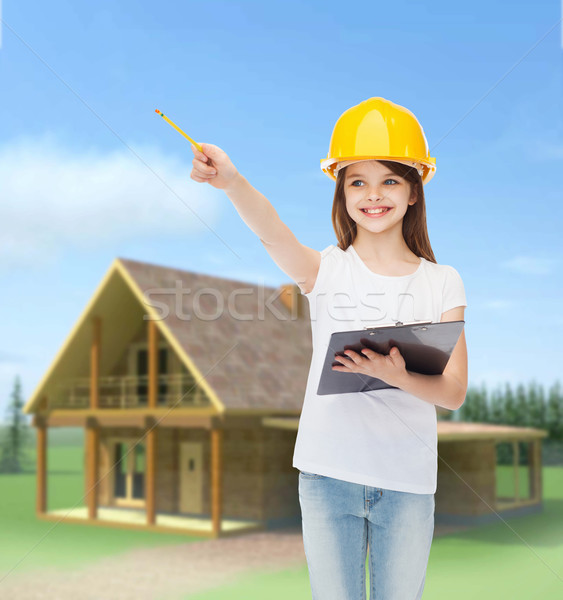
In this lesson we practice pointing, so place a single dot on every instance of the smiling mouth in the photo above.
(375, 212)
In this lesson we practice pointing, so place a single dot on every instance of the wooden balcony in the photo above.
(130, 391)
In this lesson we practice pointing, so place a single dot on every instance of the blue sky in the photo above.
(89, 172)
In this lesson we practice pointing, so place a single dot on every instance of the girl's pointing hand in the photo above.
(213, 166)
(390, 368)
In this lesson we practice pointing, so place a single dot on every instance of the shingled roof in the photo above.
(255, 354)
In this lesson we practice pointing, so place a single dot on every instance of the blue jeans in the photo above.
(340, 518)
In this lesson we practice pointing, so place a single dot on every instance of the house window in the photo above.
(120, 488)
(129, 483)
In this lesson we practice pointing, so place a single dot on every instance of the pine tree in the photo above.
(521, 406)
(497, 406)
(510, 413)
(15, 435)
(536, 406)
(481, 405)
(475, 407)
(554, 414)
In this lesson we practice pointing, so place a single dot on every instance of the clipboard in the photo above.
(425, 346)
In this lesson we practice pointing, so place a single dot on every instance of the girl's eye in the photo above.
(356, 180)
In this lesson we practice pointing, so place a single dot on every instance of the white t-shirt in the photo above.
(382, 438)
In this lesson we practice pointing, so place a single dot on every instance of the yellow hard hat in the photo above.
(382, 130)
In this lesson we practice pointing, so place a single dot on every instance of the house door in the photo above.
(129, 473)
(191, 477)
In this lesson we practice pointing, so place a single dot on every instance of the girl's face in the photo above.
(371, 185)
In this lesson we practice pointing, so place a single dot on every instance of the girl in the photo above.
(367, 460)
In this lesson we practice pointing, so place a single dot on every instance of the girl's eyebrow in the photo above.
(384, 175)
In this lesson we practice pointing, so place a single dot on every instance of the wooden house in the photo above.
(189, 388)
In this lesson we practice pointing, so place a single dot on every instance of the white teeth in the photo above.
(373, 211)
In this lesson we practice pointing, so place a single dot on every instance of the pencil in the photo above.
(179, 130)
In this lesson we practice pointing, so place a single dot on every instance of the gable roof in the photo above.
(239, 339)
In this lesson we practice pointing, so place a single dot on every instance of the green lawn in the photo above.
(511, 560)
(59, 545)
(514, 560)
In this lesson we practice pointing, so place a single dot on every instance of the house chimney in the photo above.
(292, 298)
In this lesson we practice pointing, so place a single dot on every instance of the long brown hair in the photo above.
(415, 231)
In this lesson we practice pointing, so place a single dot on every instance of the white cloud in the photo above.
(53, 198)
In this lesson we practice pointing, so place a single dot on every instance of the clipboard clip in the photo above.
(399, 323)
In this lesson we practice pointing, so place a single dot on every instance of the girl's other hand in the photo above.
(213, 166)
(390, 368)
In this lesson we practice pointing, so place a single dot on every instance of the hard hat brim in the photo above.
(429, 165)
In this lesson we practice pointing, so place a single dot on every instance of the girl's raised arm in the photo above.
(299, 262)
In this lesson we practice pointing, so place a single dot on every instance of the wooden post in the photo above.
(534, 465)
(150, 472)
(516, 463)
(41, 499)
(216, 480)
(92, 467)
(95, 363)
(153, 363)
(92, 433)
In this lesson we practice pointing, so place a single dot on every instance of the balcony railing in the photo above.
(131, 391)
